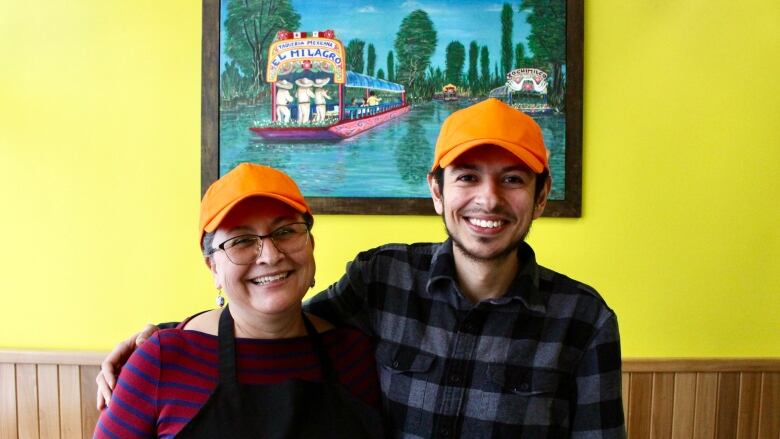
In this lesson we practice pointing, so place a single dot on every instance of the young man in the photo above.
(474, 339)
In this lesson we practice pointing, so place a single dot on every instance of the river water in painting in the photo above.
(390, 160)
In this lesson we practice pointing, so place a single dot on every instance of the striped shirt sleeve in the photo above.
(132, 411)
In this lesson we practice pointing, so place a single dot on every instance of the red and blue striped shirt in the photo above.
(171, 376)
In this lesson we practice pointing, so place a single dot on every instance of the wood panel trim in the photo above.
(657, 365)
(701, 365)
(73, 358)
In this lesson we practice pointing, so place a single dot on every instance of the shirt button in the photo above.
(455, 379)
(444, 431)
(396, 364)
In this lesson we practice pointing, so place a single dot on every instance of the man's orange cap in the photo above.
(491, 122)
(244, 181)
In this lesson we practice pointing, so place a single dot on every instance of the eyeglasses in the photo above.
(245, 249)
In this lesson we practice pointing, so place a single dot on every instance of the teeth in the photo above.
(268, 279)
(485, 223)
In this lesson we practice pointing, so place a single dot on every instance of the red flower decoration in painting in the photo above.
(329, 33)
(284, 35)
(306, 64)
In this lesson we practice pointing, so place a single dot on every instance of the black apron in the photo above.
(290, 409)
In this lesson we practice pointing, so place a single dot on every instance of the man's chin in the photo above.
(485, 255)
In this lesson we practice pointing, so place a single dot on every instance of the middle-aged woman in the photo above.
(259, 367)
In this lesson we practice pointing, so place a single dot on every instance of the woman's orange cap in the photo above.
(491, 122)
(244, 181)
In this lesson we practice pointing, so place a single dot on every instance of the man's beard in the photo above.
(510, 249)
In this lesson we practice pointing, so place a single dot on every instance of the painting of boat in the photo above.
(526, 90)
(448, 93)
(314, 96)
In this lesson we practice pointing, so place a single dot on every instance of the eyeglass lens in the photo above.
(287, 239)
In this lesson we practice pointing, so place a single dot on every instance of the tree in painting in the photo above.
(415, 43)
(390, 67)
(484, 67)
(506, 38)
(355, 60)
(547, 41)
(473, 57)
(520, 60)
(455, 58)
(250, 26)
(371, 61)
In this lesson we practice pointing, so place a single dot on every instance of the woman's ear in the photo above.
(209, 260)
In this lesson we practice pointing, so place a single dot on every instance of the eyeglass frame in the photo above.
(261, 242)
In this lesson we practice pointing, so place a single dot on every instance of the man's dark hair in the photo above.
(541, 178)
(208, 238)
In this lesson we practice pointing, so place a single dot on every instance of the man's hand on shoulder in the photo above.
(112, 364)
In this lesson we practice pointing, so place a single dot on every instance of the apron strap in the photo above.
(227, 349)
(328, 374)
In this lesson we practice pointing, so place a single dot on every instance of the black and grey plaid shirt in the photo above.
(542, 361)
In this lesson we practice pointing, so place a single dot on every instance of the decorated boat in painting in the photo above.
(314, 96)
(526, 90)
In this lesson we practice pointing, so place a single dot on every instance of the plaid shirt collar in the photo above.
(524, 288)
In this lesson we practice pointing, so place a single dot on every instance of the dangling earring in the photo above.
(220, 300)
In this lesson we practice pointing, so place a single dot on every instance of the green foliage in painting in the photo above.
(355, 61)
(455, 58)
(371, 60)
(232, 84)
(547, 41)
(484, 65)
(390, 66)
(380, 74)
(473, 58)
(506, 38)
(520, 60)
(415, 43)
(250, 26)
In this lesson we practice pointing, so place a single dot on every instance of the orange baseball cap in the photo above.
(491, 122)
(244, 181)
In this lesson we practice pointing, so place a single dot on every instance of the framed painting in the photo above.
(348, 96)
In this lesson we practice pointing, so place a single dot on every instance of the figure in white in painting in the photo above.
(283, 97)
(320, 99)
(304, 95)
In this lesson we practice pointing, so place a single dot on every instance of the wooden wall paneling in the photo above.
(749, 405)
(27, 400)
(661, 414)
(639, 405)
(684, 405)
(769, 421)
(728, 405)
(625, 387)
(70, 402)
(89, 413)
(7, 401)
(706, 406)
(48, 401)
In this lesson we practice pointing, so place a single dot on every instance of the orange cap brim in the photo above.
(532, 161)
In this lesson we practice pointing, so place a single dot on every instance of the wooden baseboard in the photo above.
(701, 365)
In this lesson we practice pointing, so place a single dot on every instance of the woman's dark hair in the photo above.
(207, 243)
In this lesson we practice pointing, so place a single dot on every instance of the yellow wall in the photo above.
(99, 175)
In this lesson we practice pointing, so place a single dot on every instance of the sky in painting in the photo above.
(377, 21)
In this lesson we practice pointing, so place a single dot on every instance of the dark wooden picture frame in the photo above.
(569, 206)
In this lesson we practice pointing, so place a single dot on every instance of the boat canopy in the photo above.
(358, 80)
(499, 92)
